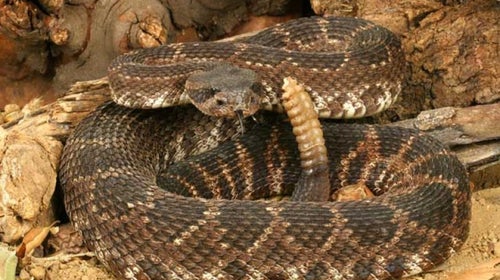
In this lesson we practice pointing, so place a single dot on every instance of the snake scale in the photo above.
(170, 193)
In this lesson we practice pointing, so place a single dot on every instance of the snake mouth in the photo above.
(246, 106)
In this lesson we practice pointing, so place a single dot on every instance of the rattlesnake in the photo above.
(193, 228)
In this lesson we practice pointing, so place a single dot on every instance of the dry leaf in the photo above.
(358, 191)
(8, 264)
(33, 239)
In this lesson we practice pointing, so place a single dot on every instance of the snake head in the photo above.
(225, 91)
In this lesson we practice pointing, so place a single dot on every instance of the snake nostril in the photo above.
(221, 99)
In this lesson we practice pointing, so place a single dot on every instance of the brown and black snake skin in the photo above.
(163, 194)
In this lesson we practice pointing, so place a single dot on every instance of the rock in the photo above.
(27, 182)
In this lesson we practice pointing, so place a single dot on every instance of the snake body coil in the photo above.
(350, 67)
(163, 194)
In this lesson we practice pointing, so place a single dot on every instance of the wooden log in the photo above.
(473, 133)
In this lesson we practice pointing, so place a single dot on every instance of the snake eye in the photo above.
(257, 88)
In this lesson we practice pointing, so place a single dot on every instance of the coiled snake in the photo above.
(148, 215)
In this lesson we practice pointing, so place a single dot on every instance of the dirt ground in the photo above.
(475, 261)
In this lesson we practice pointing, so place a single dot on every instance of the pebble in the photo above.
(24, 275)
(9, 108)
(10, 113)
(38, 272)
(495, 249)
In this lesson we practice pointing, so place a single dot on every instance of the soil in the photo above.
(481, 249)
